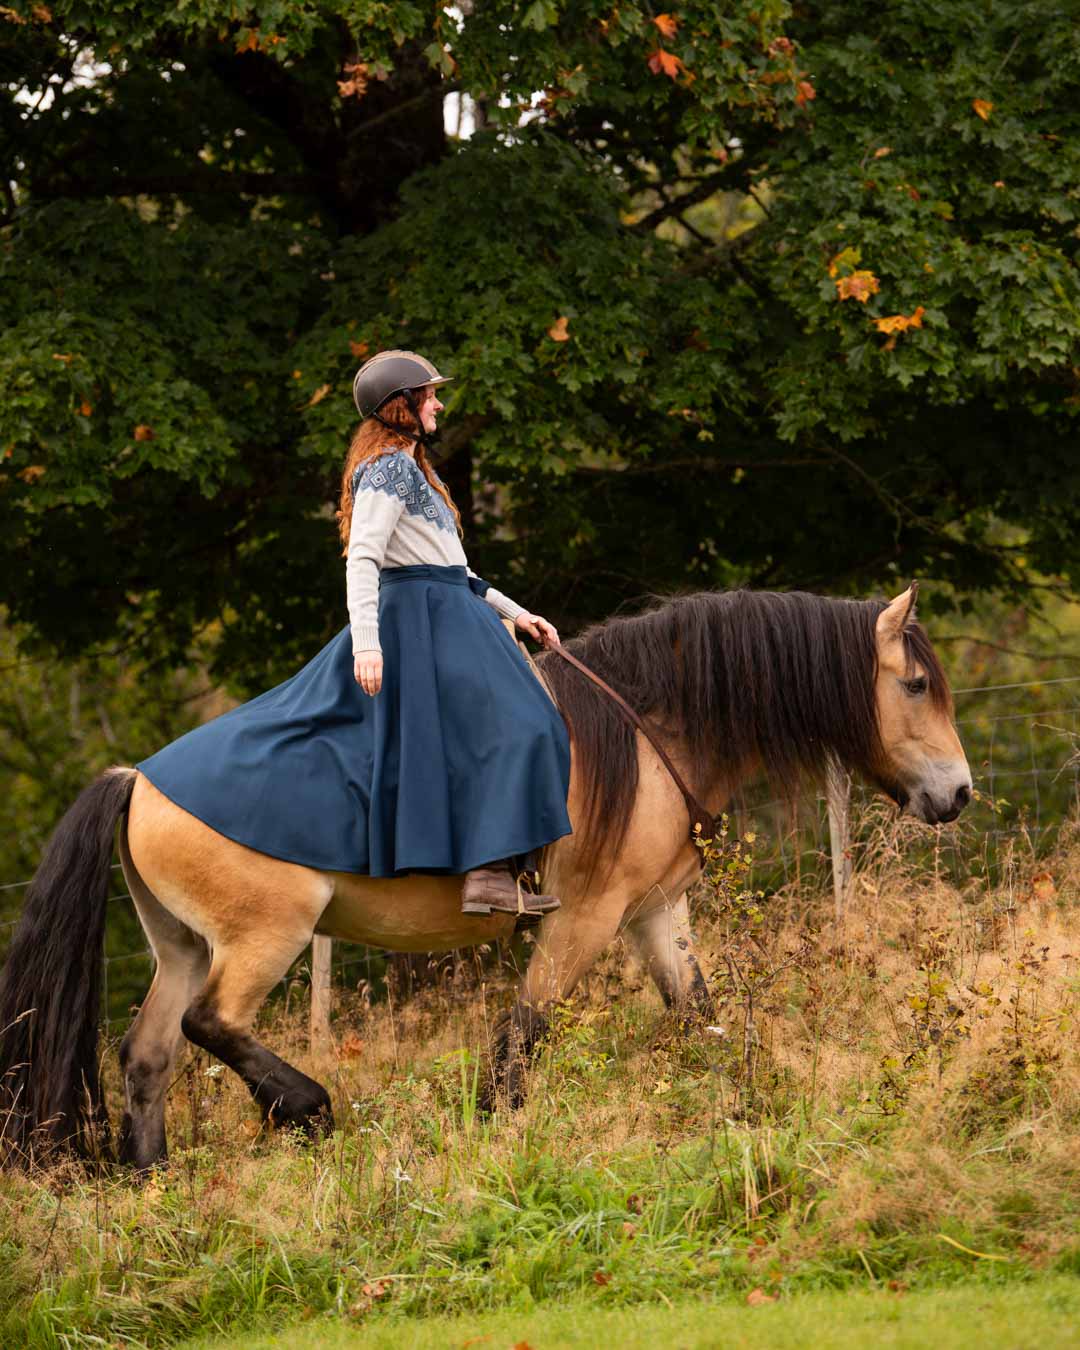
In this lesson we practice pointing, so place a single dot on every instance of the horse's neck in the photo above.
(718, 794)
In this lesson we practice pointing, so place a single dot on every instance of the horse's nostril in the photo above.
(963, 796)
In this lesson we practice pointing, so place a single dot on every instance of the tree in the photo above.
(741, 293)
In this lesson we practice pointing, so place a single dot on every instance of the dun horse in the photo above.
(737, 684)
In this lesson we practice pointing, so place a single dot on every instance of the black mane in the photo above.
(781, 680)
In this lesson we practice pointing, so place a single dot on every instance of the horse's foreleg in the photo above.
(567, 944)
(149, 1050)
(243, 971)
(663, 942)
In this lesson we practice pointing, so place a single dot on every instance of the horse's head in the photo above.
(925, 770)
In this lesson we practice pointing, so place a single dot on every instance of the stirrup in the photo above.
(528, 914)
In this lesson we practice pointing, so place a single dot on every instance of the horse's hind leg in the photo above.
(243, 971)
(257, 915)
(664, 943)
(149, 1050)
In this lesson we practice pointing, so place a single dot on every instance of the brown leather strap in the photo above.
(702, 822)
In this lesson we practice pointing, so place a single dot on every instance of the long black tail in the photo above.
(50, 988)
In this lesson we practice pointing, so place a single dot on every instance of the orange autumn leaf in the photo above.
(883, 151)
(145, 433)
(250, 43)
(318, 395)
(668, 24)
(359, 348)
(983, 108)
(601, 1277)
(559, 330)
(860, 285)
(900, 323)
(665, 63)
(84, 408)
(356, 85)
(62, 356)
(31, 473)
(350, 1046)
(756, 1297)
(806, 93)
(847, 257)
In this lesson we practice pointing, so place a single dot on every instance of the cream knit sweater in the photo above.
(398, 520)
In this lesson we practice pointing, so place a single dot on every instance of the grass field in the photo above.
(1042, 1315)
(880, 1130)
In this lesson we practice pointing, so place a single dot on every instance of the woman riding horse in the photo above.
(449, 757)
(323, 796)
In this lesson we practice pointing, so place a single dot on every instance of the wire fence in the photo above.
(1025, 764)
(1025, 767)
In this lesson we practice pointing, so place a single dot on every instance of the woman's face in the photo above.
(430, 407)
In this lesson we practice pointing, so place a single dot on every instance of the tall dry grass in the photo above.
(896, 1099)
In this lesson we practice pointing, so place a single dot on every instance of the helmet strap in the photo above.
(420, 436)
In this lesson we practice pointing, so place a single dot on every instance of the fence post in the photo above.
(838, 797)
(320, 994)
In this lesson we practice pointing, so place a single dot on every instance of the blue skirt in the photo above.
(460, 759)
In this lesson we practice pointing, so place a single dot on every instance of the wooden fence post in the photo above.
(320, 994)
(838, 797)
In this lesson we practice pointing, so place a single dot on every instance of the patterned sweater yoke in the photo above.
(399, 520)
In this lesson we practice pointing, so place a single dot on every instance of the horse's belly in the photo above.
(406, 914)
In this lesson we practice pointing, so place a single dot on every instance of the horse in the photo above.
(736, 684)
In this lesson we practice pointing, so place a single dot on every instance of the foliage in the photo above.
(60, 725)
(783, 296)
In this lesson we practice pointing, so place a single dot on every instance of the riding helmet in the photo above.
(390, 373)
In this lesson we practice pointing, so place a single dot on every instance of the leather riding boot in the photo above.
(497, 889)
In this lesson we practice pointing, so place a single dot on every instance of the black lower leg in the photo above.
(285, 1095)
(516, 1037)
(142, 1133)
(693, 999)
(698, 997)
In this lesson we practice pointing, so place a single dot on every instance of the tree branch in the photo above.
(417, 101)
(706, 465)
(210, 181)
(1000, 647)
(704, 190)
(461, 434)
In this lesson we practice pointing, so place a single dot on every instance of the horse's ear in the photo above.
(896, 615)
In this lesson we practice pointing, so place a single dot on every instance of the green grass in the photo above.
(1043, 1315)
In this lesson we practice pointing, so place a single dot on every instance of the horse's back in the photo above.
(219, 888)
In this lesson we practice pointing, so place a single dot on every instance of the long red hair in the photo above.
(372, 439)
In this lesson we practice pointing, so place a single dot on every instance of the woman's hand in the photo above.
(367, 671)
(545, 633)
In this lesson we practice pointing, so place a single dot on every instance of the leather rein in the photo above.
(703, 825)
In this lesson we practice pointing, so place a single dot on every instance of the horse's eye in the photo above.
(916, 687)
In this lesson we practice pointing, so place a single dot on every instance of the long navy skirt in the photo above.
(459, 760)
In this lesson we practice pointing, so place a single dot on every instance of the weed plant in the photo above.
(891, 1103)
